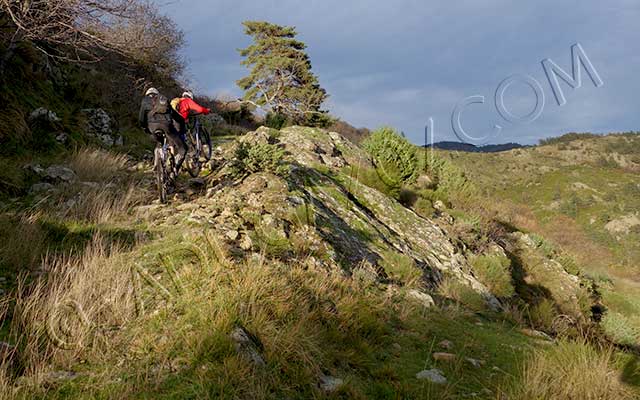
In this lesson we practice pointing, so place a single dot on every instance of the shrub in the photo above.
(394, 156)
(620, 329)
(275, 121)
(252, 158)
(494, 272)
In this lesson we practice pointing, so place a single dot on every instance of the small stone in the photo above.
(119, 141)
(35, 168)
(60, 173)
(232, 235)
(329, 383)
(246, 243)
(43, 113)
(447, 357)
(187, 207)
(421, 297)
(439, 205)
(534, 333)
(246, 346)
(474, 362)
(396, 346)
(446, 344)
(41, 187)
(433, 375)
(62, 138)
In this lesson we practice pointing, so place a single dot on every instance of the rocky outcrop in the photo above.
(99, 124)
(341, 222)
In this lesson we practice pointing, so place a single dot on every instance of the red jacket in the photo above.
(187, 107)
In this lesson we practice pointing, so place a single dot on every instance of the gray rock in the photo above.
(100, 125)
(232, 235)
(432, 375)
(421, 297)
(60, 173)
(44, 114)
(474, 362)
(246, 346)
(41, 187)
(35, 168)
(446, 344)
(329, 383)
(119, 141)
(62, 137)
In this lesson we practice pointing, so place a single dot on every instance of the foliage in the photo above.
(620, 329)
(395, 158)
(281, 79)
(252, 158)
(275, 121)
(494, 272)
(80, 30)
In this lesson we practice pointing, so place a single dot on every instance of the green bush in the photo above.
(620, 329)
(494, 272)
(275, 121)
(251, 158)
(543, 314)
(395, 157)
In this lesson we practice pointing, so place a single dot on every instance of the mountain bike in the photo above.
(165, 165)
(199, 144)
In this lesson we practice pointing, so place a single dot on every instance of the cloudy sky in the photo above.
(400, 62)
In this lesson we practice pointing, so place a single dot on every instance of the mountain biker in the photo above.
(155, 116)
(183, 107)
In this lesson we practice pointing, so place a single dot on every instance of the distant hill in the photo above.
(470, 148)
(356, 135)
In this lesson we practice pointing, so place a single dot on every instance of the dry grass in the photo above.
(69, 312)
(572, 370)
(99, 204)
(22, 241)
(96, 165)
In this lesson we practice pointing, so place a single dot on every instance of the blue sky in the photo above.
(399, 63)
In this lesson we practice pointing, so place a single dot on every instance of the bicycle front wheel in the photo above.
(206, 149)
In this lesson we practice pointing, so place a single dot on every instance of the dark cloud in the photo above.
(401, 62)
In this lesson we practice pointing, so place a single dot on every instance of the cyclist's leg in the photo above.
(179, 148)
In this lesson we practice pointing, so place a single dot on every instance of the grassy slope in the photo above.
(568, 192)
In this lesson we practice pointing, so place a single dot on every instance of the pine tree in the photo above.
(281, 80)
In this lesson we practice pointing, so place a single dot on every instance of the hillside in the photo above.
(580, 192)
(302, 262)
(282, 272)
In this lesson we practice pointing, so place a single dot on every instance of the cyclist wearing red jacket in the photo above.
(183, 107)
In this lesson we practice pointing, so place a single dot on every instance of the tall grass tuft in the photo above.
(572, 370)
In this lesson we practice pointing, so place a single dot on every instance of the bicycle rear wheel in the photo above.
(161, 176)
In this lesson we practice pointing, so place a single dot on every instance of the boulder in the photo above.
(100, 125)
(41, 187)
(43, 114)
(59, 173)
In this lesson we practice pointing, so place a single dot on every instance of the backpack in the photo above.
(159, 105)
